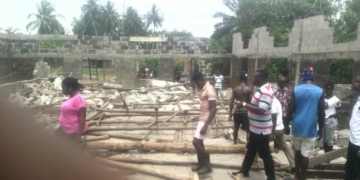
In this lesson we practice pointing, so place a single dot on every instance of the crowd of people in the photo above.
(265, 115)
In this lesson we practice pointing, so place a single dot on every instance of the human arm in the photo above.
(321, 115)
(232, 101)
(274, 121)
(82, 119)
(290, 114)
(212, 112)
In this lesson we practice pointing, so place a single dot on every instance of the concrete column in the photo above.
(166, 69)
(125, 70)
(251, 72)
(236, 69)
(137, 65)
(356, 70)
(73, 65)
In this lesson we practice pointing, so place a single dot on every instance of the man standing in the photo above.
(306, 104)
(261, 126)
(332, 105)
(207, 114)
(281, 92)
(240, 93)
(276, 111)
(352, 166)
(218, 84)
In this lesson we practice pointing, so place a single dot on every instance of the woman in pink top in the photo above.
(73, 111)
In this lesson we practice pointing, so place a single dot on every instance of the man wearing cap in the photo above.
(306, 109)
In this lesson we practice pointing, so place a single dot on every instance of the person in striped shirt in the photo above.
(261, 126)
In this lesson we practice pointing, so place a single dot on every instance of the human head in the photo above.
(308, 75)
(357, 84)
(329, 88)
(261, 77)
(282, 81)
(70, 86)
(218, 73)
(198, 80)
(243, 77)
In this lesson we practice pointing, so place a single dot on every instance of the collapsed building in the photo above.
(145, 121)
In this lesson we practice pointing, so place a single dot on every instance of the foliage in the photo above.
(275, 67)
(46, 21)
(341, 71)
(11, 30)
(278, 16)
(150, 63)
(154, 18)
(346, 27)
(173, 33)
(50, 44)
(178, 65)
(132, 23)
(110, 18)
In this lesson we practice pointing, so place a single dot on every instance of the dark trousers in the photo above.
(259, 143)
(352, 166)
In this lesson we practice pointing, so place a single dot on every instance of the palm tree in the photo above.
(154, 18)
(46, 22)
(132, 22)
(229, 23)
(110, 18)
(91, 12)
(10, 30)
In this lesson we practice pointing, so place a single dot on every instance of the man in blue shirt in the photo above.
(306, 109)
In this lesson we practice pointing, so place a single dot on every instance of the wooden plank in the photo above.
(327, 156)
(132, 128)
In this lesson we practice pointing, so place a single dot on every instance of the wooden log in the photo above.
(156, 104)
(327, 156)
(99, 138)
(147, 146)
(237, 177)
(165, 87)
(142, 169)
(130, 128)
(172, 116)
(185, 163)
(121, 136)
(112, 86)
(154, 114)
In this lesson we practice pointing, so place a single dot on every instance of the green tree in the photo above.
(91, 12)
(150, 63)
(46, 21)
(132, 23)
(346, 27)
(154, 18)
(11, 30)
(110, 18)
(178, 65)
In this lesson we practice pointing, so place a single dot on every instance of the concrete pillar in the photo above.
(236, 69)
(73, 65)
(166, 69)
(137, 65)
(356, 70)
(251, 72)
(125, 70)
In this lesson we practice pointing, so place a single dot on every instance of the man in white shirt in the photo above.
(332, 104)
(218, 84)
(276, 112)
(352, 166)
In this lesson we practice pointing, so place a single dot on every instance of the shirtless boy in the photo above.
(240, 93)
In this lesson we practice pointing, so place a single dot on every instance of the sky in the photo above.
(195, 16)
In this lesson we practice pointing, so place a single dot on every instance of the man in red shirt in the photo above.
(207, 113)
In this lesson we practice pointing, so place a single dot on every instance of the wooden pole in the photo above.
(184, 163)
(327, 156)
(142, 169)
(147, 146)
(164, 87)
(169, 118)
(99, 138)
(130, 128)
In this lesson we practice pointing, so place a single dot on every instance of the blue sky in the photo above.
(194, 16)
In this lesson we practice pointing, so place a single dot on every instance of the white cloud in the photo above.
(194, 16)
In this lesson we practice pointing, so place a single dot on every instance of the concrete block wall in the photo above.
(166, 69)
(309, 35)
(101, 46)
(205, 67)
